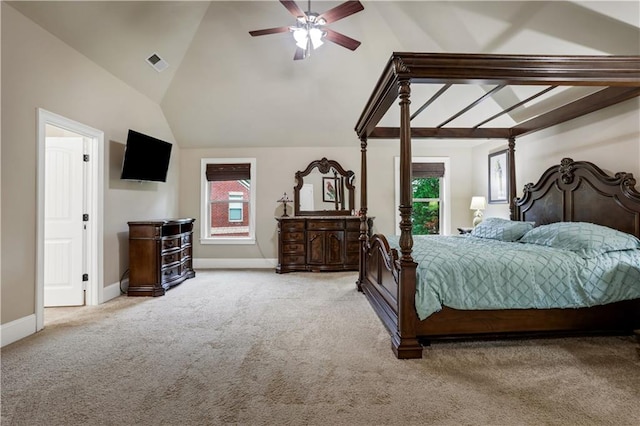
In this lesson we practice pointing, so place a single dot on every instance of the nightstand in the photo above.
(463, 231)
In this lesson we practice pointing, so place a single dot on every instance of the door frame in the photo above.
(93, 193)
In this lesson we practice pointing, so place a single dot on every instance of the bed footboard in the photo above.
(383, 278)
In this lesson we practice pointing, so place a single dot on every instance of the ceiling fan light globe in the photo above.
(300, 35)
(316, 37)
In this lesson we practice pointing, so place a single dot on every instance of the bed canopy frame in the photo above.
(618, 76)
(613, 79)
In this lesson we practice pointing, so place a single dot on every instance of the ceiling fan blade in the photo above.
(299, 54)
(293, 8)
(341, 11)
(269, 31)
(341, 39)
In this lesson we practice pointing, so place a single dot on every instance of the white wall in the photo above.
(39, 71)
(609, 138)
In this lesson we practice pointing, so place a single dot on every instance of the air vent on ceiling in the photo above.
(157, 62)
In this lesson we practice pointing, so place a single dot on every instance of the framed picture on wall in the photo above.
(330, 191)
(498, 177)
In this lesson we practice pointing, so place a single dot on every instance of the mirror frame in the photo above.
(324, 166)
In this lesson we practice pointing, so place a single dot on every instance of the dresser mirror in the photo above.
(324, 188)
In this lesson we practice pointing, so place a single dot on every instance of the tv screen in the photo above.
(145, 158)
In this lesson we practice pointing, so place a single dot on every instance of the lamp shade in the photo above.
(478, 203)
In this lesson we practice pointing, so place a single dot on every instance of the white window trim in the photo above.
(204, 203)
(445, 201)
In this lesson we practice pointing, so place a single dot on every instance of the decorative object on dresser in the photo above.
(284, 200)
(321, 240)
(310, 184)
(160, 255)
(478, 204)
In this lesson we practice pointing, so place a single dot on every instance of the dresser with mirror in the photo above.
(324, 232)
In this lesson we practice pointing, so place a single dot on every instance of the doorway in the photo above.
(70, 182)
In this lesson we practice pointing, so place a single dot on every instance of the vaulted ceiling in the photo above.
(224, 88)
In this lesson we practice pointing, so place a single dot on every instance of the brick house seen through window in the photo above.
(228, 201)
(229, 217)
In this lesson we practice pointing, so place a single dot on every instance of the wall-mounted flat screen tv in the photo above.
(145, 158)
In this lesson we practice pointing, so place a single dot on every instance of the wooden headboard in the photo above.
(579, 191)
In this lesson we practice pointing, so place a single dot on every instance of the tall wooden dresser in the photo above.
(160, 255)
(318, 243)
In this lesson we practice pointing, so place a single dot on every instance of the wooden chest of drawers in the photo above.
(312, 243)
(159, 255)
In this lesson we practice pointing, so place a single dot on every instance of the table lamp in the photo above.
(478, 204)
(284, 200)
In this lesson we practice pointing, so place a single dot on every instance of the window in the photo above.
(425, 216)
(228, 201)
(430, 213)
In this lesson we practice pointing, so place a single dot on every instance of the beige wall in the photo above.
(381, 184)
(39, 71)
(609, 138)
(276, 168)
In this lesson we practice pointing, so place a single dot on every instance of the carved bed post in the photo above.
(512, 178)
(404, 342)
(364, 232)
(406, 239)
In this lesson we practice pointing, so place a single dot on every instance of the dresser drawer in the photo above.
(292, 225)
(170, 243)
(186, 239)
(168, 259)
(353, 235)
(353, 225)
(294, 248)
(294, 259)
(325, 225)
(170, 274)
(186, 265)
(293, 236)
(353, 246)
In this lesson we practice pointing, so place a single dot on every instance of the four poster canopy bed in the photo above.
(576, 216)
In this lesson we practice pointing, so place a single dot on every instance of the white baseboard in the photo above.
(111, 291)
(234, 263)
(18, 329)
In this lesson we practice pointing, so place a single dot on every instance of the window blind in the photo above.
(427, 170)
(222, 172)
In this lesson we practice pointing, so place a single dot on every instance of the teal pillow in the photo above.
(496, 228)
(585, 239)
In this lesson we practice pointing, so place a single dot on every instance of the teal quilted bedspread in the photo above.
(465, 272)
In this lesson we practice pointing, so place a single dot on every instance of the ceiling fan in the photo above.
(310, 31)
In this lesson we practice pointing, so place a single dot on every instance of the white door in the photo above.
(63, 224)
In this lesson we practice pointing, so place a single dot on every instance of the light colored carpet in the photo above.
(257, 348)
